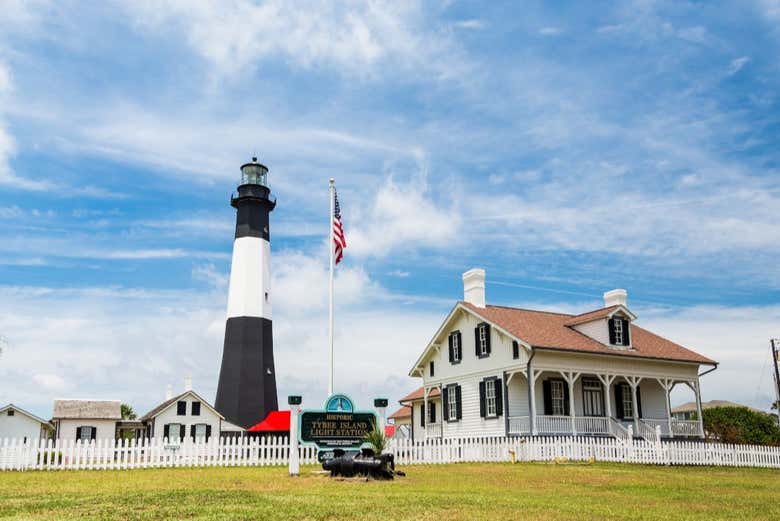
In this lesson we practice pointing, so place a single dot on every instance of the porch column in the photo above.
(697, 390)
(571, 377)
(606, 380)
(425, 414)
(532, 374)
(633, 382)
(668, 385)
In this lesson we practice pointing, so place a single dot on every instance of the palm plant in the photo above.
(376, 438)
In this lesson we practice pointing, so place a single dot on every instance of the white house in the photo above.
(496, 370)
(16, 423)
(182, 416)
(86, 420)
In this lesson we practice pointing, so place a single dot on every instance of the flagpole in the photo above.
(331, 248)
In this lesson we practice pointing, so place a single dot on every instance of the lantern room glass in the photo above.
(254, 174)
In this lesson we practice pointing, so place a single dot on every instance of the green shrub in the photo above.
(376, 438)
(741, 425)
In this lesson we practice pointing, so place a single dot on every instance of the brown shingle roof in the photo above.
(549, 330)
(87, 409)
(404, 412)
(590, 316)
(418, 394)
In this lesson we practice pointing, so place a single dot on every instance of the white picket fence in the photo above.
(583, 448)
(148, 453)
(228, 452)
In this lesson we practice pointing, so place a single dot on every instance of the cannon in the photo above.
(366, 463)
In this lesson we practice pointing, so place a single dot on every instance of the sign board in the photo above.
(336, 426)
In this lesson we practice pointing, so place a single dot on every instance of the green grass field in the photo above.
(473, 491)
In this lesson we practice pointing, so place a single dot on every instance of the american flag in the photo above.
(339, 242)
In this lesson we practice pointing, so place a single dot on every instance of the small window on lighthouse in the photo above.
(266, 296)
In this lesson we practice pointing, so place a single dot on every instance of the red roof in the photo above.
(417, 394)
(404, 412)
(553, 331)
(276, 421)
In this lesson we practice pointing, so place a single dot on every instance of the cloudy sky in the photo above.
(567, 148)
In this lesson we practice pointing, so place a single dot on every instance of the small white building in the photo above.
(86, 420)
(182, 416)
(496, 371)
(16, 423)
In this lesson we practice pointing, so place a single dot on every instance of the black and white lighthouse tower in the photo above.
(247, 378)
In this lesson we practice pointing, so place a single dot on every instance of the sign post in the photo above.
(294, 459)
(337, 426)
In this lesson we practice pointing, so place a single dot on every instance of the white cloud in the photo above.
(402, 217)
(550, 31)
(50, 382)
(472, 23)
(737, 64)
(354, 37)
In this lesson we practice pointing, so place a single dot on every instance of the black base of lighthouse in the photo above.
(247, 380)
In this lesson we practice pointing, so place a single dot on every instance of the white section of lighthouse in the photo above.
(247, 379)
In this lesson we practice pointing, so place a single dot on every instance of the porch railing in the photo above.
(553, 424)
(519, 425)
(591, 425)
(663, 423)
(433, 430)
(645, 430)
(620, 432)
(686, 428)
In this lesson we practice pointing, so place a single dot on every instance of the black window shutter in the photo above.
(487, 338)
(515, 350)
(208, 431)
(430, 367)
(93, 433)
(482, 398)
(626, 333)
(499, 396)
(460, 345)
(167, 431)
(476, 341)
(422, 415)
(432, 407)
(452, 355)
(182, 432)
(458, 405)
(78, 433)
(566, 400)
(445, 407)
(619, 402)
(547, 395)
(192, 432)
(611, 325)
(639, 402)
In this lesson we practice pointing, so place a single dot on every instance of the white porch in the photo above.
(589, 404)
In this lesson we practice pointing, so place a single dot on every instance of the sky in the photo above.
(568, 148)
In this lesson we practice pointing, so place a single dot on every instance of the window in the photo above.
(11, 412)
(85, 433)
(557, 397)
(592, 397)
(618, 330)
(457, 352)
(515, 350)
(200, 431)
(430, 367)
(452, 403)
(181, 408)
(490, 400)
(196, 408)
(174, 432)
(626, 403)
(482, 339)
(431, 412)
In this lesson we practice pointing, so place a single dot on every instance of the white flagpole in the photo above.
(331, 246)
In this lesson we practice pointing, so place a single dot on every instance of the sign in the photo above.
(336, 426)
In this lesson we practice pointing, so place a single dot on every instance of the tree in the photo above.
(128, 413)
(741, 425)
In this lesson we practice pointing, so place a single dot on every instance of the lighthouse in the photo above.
(246, 392)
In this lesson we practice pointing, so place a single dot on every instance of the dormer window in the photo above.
(619, 334)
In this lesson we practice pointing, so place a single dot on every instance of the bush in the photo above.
(376, 438)
(741, 425)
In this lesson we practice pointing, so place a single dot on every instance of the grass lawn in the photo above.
(462, 491)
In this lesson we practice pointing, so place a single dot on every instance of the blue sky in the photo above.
(568, 148)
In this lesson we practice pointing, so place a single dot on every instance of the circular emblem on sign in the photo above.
(339, 403)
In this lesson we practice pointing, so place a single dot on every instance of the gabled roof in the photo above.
(404, 412)
(596, 314)
(547, 330)
(26, 413)
(168, 403)
(87, 410)
(691, 406)
(418, 394)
